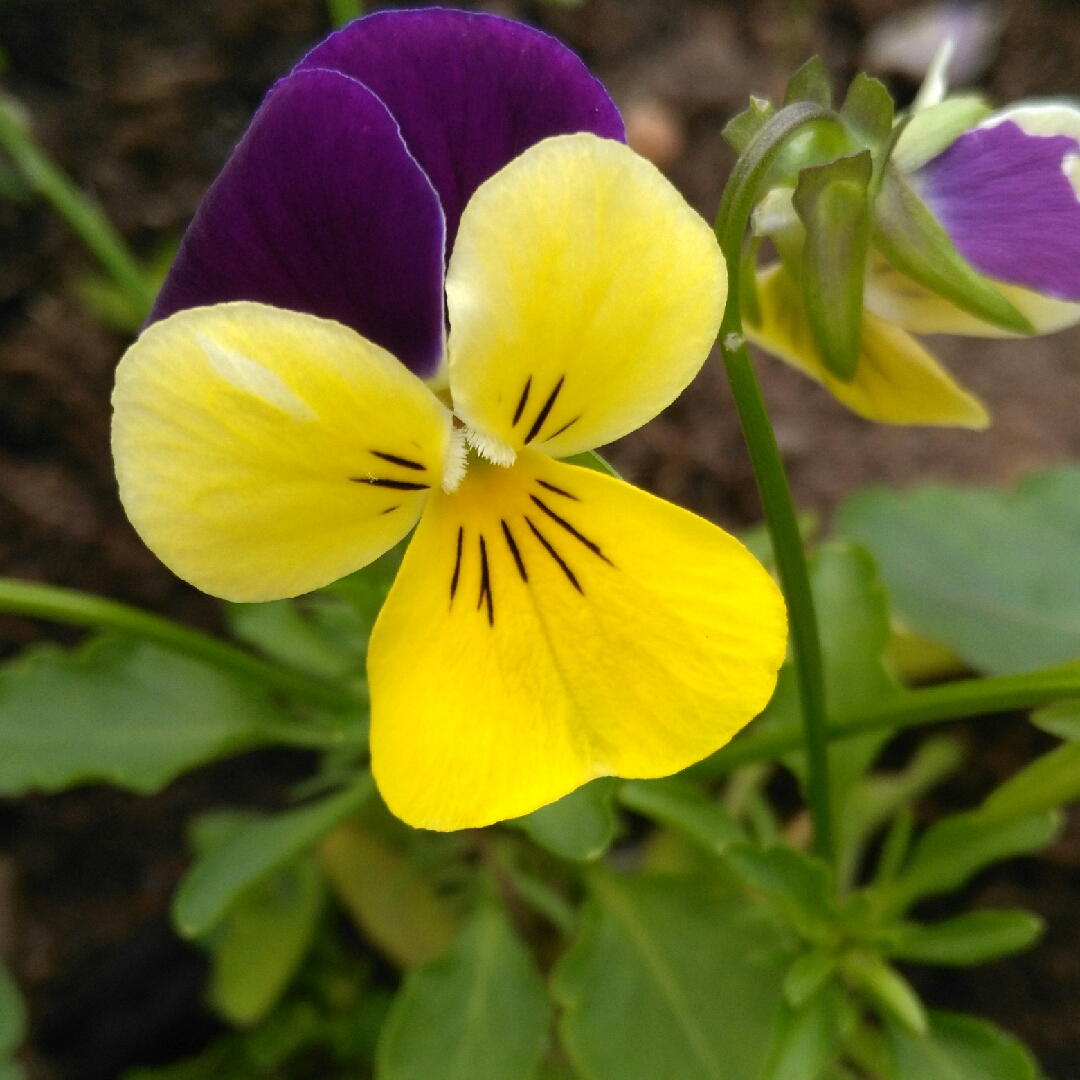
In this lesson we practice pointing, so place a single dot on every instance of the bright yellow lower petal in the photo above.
(551, 624)
(262, 453)
(896, 382)
(584, 294)
(896, 297)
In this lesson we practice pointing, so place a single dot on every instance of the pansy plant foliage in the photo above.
(297, 405)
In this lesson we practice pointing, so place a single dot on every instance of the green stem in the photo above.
(93, 228)
(912, 708)
(82, 609)
(738, 202)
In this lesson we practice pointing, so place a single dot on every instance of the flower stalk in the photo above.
(736, 206)
(912, 708)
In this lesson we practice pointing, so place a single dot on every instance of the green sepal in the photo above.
(810, 83)
(972, 938)
(868, 111)
(934, 129)
(740, 130)
(831, 201)
(913, 242)
(888, 991)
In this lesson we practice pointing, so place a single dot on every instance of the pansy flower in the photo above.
(1006, 190)
(296, 408)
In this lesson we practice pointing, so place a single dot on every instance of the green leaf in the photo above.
(958, 847)
(386, 895)
(887, 990)
(479, 1012)
(914, 243)
(806, 1040)
(121, 712)
(995, 576)
(895, 847)
(320, 634)
(681, 805)
(739, 131)
(868, 111)
(365, 591)
(808, 975)
(12, 1013)
(1048, 782)
(800, 884)
(670, 977)
(579, 826)
(958, 1047)
(972, 938)
(1061, 719)
(932, 130)
(11, 1070)
(810, 83)
(262, 941)
(252, 852)
(831, 201)
(880, 796)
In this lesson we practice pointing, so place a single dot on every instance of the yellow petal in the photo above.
(584, 294)
(896, 297)
(896, 382)
(262, 453)
(551, 624)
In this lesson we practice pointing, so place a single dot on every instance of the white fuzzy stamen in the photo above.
(490, 448)
(453, 471)
(250, 377)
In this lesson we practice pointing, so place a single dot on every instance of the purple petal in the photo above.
(470, 91)
(322, 209)
(1005, 200)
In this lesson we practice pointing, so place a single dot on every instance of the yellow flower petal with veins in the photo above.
(896, 382)
(584, 295)
(550, 624)
(263, 453)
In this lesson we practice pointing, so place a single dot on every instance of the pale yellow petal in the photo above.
(896, 297)
(584, 294)
(896, 382)
(262, 453)
(551, 624)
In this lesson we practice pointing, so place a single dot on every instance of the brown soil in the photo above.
(141, 101)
